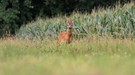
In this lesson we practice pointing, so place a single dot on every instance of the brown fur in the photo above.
(66, 36)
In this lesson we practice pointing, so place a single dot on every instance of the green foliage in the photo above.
(7, 16)
(15, 13)
(48, 29)
(118, 22)
(12, 14)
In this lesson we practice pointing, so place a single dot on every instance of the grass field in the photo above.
(89, 56)
(104, 45)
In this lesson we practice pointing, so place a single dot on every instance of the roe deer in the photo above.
(66, 36)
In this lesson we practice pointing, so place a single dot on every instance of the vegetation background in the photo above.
(15, 13)
(103, 43)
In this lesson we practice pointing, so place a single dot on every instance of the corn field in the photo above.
(117, 22)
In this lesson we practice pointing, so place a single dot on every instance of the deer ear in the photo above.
(67, 21)
(72, 21)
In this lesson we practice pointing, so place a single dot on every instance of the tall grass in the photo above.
(84, 57)
(114, 22)
(93, 55)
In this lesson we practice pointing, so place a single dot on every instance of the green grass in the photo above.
(99, 53)
(105, 56)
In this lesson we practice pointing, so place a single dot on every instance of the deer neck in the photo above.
(69, 31)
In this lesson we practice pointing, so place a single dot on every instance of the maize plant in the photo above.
(117, 22)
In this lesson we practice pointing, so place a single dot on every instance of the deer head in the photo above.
(69, 23)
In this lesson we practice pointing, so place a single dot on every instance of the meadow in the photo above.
(89, 56)
(103, 44)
